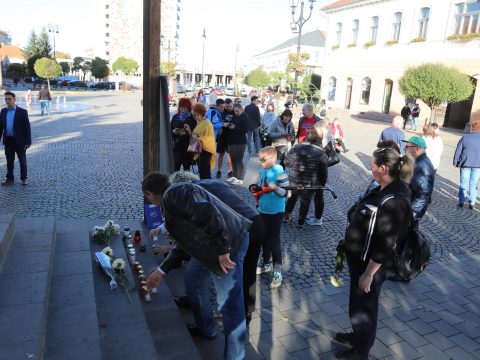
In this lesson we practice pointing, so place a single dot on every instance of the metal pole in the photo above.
(235, 73)
(1, 71)
(169, 49)
(203, 55)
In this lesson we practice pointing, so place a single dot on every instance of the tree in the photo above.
(44, 47)
(62, 55)
(276, 78)
(167, 68)
(296, 63)
(86, 67)
(310, 86)
(77, 64)
(31, 63)
(47, 68)
(125, 65)
(99, 68)
(65, 67)
(435, 84)
(257, 78)
(16, 71)
(32, 46)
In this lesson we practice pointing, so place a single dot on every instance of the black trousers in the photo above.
(363, 307)
(204, 165)
(257, 235)
(10, 150)
(182, 157)
(305, 199)
(236, 153)
(272, 250)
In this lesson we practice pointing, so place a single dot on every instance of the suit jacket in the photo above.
(21, 127)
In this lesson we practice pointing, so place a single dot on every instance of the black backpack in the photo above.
(411, 256)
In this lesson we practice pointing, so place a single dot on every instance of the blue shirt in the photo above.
(10, 118)
(271, 203)
(395, 134)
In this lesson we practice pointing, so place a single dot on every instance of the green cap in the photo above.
(417, 140)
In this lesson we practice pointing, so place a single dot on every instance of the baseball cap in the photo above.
(418, 141)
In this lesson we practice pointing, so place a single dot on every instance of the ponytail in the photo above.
(399, 167)
(405, 168)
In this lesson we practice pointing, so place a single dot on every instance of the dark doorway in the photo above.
(458, 114)
(348, 95)
(387, 96)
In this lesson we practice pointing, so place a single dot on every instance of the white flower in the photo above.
(118, 264)
(108, 251)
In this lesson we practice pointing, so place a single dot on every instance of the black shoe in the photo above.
(219, 174)
(351, 354)
(344, 338)
(470, 207)
(230, 174)
(287, 220)
(194, 331)
(460, 205)
(182, 301)
(300, 227)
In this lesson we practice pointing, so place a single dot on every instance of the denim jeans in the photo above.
(45, 106)
(253, 139)
(414, 123)
(468, 180)
(229, 298)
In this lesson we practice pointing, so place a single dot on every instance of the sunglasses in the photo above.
(265, 159)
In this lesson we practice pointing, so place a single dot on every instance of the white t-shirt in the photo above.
(434, 149)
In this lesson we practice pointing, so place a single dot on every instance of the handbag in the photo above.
(195, 146)
(332, 155)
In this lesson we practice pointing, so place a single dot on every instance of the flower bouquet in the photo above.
(336, 279)
(104, 234)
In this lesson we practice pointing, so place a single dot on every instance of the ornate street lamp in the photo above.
(54, 30)
(296, 26)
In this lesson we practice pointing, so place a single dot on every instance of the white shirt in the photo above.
(434, 149)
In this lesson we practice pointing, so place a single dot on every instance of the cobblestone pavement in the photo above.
(88, 164)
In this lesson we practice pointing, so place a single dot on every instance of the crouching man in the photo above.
(216, 237)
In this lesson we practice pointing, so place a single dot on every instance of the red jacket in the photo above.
(336, 130)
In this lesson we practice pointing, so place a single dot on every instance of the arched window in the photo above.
(423, 22)
(366, 84)
(397, 24)
(374, 29)
(332, 87)
(356, 24)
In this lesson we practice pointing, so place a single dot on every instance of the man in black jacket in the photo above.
(308, 166)
(253, 135)
(423, 176)
(405, 113)
(216, 237)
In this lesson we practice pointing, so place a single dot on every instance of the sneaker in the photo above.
(24, 182)
(231, 179)
(264, 268)
(459, 205)
(287, 220)
(276, 280)
(237, 182)
(300, 227)
(344, 338)
(315, 222)
(230, 174)
(219, 174)
(7, 181)
(470, 207)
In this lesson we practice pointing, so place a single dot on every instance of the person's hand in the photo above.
(226, 263)
(225, 125)
(231, 126)
(154, 232)
(364, 282)
(175, 131)
(272, 186)
(154, 278)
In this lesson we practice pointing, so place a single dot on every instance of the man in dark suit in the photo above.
(15, 129)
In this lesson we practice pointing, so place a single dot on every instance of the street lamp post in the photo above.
(297, 25)
(204, 36)
(166, 48)
(1, 71)
(235, 73)
(54, 30)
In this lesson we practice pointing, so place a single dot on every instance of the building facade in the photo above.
(371, 43)
(276, 59)
(5, 38)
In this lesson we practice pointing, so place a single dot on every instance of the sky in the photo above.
(255, 25)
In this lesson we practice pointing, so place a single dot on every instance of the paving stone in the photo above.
(257, 325)
(307, 329)
(429, 351)
(293, 342)
(20, 323)
(449, 317)
(306, 354)
(270, 314)
(33, 288)
(413, 338)
(458, 353)
(320, 344)
(404, 350)
(420, 326)
(439, 340)
(465, 342)
(444, 327)
(295, 316)
(72, 289)
(20, 261)
(395, 324)
(380, 351)
(387, 336)
(281, 328)
(426, 315)
(332, 309)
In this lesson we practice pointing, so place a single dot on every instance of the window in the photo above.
(107, 6)
(423, 22)
(467, 18)
(107, 25)
(339, 33)
(107, 34)
(332, 87)
(397, 24)
(366, 84)
(374, 29)
(356, 24)
(107, 16)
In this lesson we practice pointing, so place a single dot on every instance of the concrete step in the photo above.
(7, 229)
(373, 115)
(24, 289)
(72, 325)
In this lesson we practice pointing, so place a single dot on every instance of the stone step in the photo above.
(372, 115)
(24, 289)
(72, 325)
(7, 229)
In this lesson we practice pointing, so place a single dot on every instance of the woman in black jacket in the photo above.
(376, 224)
(237, 143)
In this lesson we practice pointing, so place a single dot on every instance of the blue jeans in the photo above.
(468, 180)
(45, 106)
(229, 298)
(414, 123)
(253, 139)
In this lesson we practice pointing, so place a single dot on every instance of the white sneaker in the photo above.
(276, 280)
(237, 182)
(264, 268)
(314, 222)
(231, 179)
